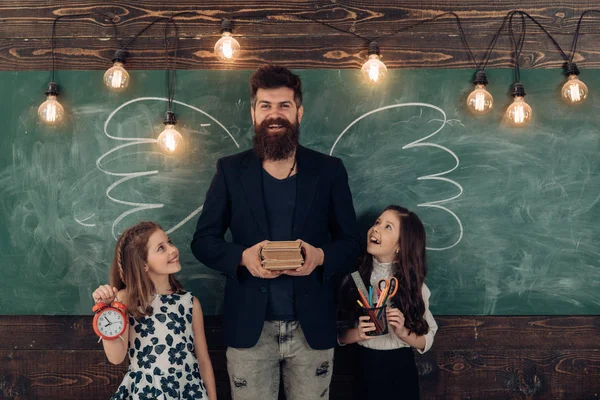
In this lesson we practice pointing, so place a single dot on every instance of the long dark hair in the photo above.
(409, 267)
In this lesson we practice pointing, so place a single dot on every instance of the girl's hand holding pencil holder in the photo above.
(386, 289)
(378, 316)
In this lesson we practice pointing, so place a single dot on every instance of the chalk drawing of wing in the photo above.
(394, 156)
(143, 179)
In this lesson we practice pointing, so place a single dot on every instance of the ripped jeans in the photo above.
(254, 372)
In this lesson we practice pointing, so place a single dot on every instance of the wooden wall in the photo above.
(54, 357)
(271, 31)
(57, 357)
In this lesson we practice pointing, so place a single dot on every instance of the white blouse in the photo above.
(390, 341)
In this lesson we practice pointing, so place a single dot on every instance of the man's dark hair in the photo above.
(272, 77)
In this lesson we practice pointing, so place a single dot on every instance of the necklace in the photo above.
(291, 169)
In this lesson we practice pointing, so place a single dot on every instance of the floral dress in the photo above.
(162, 362)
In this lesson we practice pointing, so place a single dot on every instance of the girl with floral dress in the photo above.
(165, 340)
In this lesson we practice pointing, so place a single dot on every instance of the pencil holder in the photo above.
(379, 317)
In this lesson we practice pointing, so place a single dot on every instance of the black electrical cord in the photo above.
(406, 28)
(137, 35)
(524, 15)
(488, 53)
(108, 18)
(576, 36)
(171, 73)
(517, 44)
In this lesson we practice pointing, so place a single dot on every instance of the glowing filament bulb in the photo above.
(116, 77)
(574, 91)
(480, 101)
(574, 94)
(374, 71)
(170, 140)
(227, 48)
(51, 112)
(519, 112)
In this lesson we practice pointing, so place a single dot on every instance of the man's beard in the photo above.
(277, 146)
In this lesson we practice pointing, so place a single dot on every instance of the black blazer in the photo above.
(324, 217)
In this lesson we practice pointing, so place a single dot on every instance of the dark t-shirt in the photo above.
(280, 204)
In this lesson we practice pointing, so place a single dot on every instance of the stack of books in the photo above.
(282, 255)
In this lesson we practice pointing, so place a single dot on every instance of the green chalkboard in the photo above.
(511, 214)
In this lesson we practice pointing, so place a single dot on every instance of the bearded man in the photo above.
(278, 322)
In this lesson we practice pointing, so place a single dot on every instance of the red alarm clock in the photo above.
(110, 320)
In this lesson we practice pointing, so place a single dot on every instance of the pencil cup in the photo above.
(379, 317)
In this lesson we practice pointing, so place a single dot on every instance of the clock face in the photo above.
(110, 323)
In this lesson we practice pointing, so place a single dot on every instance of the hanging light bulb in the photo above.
(574, 91)
(480, 101)
(170, 140)
(518, 113)
(51, 112)
(373, 70)
(116, 77)
(227, 48)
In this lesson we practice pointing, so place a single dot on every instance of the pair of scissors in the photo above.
(387, 288)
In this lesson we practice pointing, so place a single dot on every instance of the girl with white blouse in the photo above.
(386, 366)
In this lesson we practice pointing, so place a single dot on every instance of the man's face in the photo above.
(276, 123)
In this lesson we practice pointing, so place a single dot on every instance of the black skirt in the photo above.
(387, 375)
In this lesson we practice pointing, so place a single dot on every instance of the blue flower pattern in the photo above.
(177, 323)
(162, 362)
(170, 386)
(144, 358)
(145, 326)
(177, 354)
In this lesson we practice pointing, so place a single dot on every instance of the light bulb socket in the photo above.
(170, 118)
(226, 26)
(120, 56)
(52, 89)
(374, 48)
(571, 69)
(518, 90)
(480, 78)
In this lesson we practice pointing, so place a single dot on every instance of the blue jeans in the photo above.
(254, 372)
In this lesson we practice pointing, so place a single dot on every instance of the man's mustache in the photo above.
(275, 121)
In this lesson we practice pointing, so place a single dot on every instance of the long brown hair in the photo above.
(409, 267)
(128, 269)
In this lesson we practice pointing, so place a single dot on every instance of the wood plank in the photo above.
(293, 52)
(273, 32)
(455, 333)
(73, 374)
(519, 374)
(493, 374)
(47, 332)
(518, 332)
(276, 18)
(474, 357)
